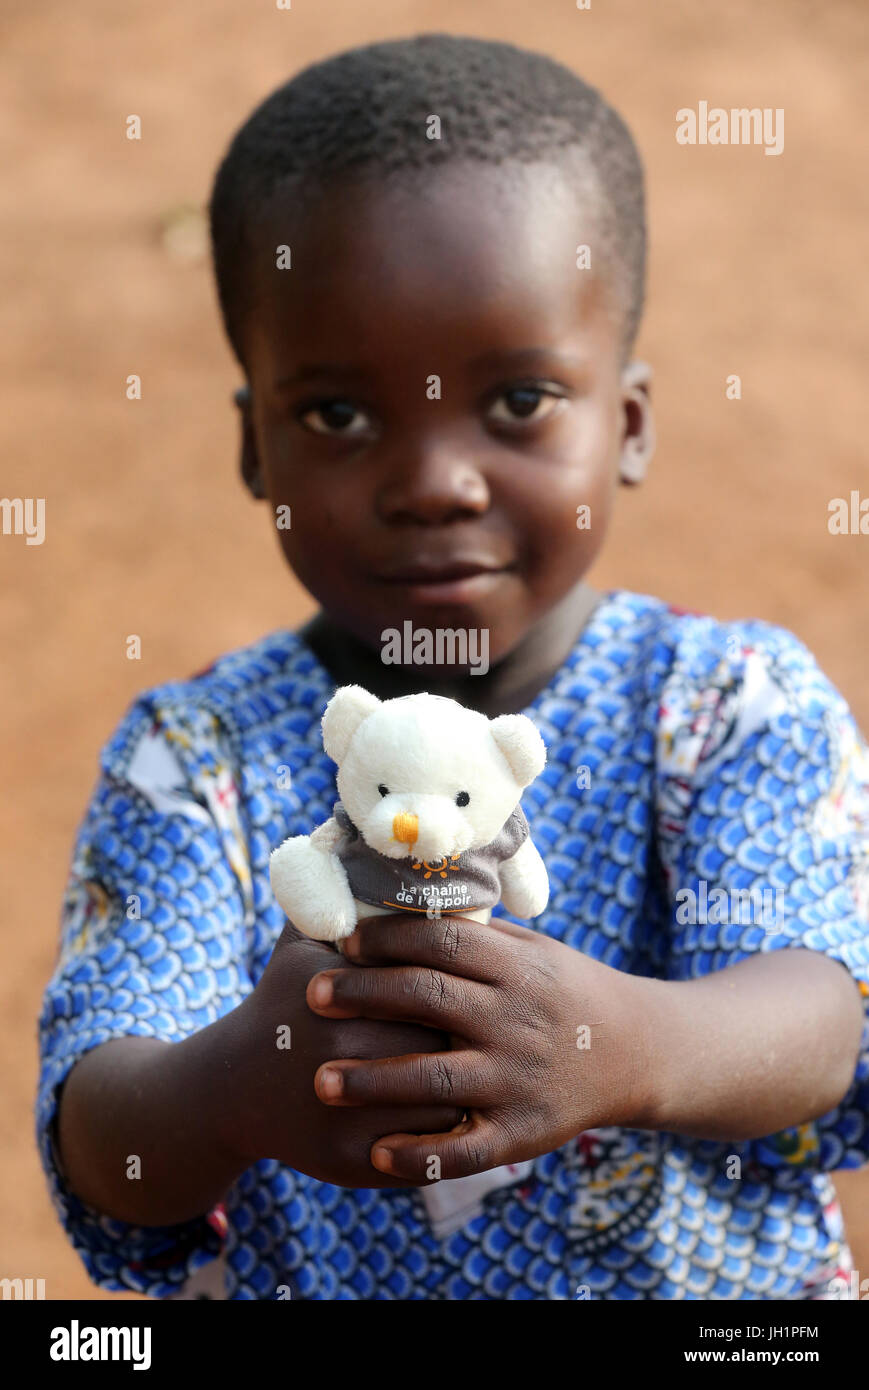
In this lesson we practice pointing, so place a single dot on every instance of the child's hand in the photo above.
(271, 1108)
(515, 1004)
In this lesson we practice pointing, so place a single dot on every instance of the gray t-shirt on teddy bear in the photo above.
(459, 883)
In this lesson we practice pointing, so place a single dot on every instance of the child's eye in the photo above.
(334, 417)
(524, 403)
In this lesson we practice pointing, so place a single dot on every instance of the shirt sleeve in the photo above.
(512, 834)
(343, 820)
(763, 834)
(153, 943)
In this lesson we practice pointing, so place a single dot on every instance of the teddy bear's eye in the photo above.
(384, 791)
(462, 799)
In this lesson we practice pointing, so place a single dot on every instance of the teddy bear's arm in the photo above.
(310, 883)
(525, 882)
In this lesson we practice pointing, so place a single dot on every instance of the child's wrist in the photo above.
(651, 1006)
(617, 1064)
(205, 1070)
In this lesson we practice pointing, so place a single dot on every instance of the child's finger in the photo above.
(439, 1078)
(408, 993)
(456, 945)
(472, 1147)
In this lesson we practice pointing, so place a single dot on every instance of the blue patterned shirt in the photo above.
(706, 796)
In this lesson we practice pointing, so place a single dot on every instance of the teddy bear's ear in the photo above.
(519, 741)
(342, 717)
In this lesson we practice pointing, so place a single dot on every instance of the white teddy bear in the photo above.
(428, 818)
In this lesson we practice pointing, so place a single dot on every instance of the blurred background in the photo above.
(757, 269)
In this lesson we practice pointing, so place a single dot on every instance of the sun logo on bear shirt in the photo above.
(438, 866)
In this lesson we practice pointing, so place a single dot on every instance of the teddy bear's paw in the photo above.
(311, 886)
(323, 927)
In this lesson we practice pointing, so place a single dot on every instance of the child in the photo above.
(643, 1096)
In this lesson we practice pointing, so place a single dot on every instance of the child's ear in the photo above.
(638, 441)
(250, 469)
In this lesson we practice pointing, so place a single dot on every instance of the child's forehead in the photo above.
(461, 243)
(468, 195)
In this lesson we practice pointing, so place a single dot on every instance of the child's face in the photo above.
(436, 391)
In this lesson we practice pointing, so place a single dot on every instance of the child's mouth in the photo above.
(461, 582)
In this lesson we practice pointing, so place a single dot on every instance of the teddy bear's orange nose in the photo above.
(405, 827)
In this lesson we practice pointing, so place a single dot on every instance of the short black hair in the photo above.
(367, 109)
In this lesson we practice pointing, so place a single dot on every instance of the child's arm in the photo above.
(197, 1113)
(765, 1045)
(155, 1101)
(769, 1043)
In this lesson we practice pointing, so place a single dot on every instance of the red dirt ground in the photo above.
(757, 268)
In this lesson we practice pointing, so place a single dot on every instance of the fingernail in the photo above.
(330, 1083)
(382, 1159)
(322, 991)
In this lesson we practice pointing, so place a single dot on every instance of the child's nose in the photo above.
(434, 490)
(405, 828)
